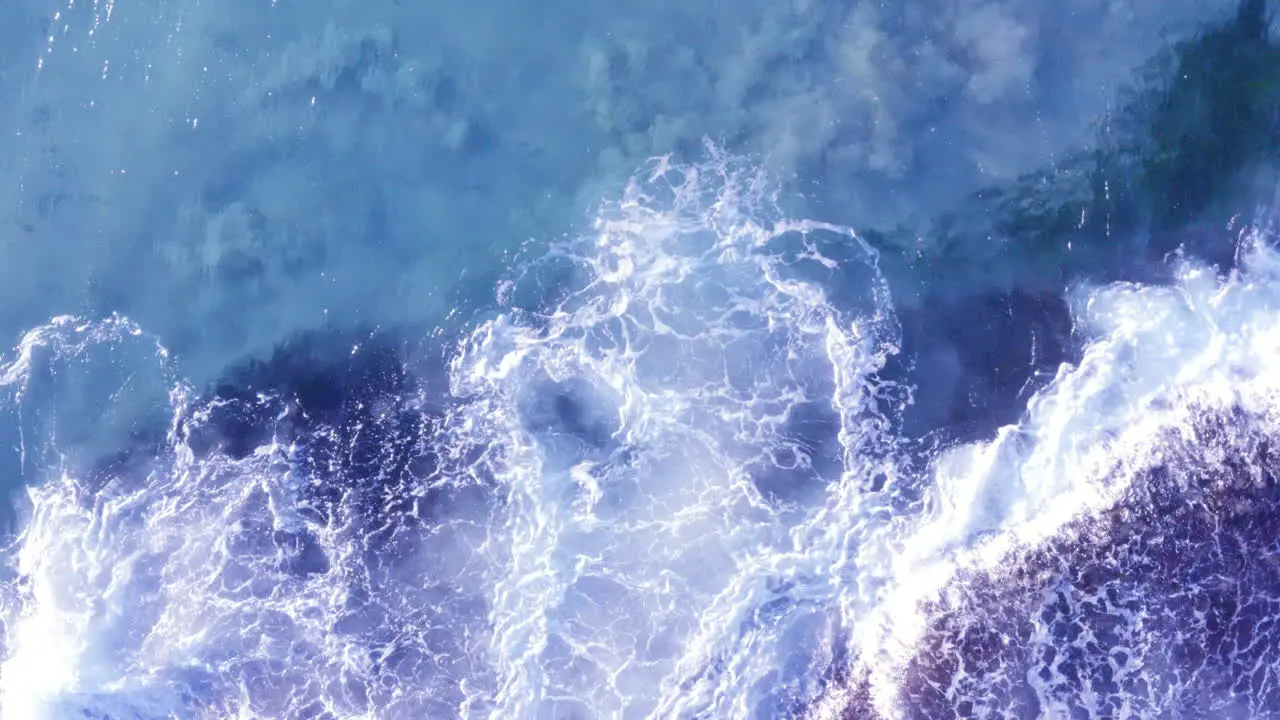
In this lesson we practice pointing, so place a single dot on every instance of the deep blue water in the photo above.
(757, 360)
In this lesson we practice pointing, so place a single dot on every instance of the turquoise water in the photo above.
(342, 163)
(752, 360)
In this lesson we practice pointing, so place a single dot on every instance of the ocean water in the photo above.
(804, 360)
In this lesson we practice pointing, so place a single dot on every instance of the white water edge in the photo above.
(631, 568)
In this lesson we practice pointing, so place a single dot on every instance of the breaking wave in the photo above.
(666, 477)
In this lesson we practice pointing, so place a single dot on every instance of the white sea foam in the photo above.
(651, 576)
(682, 476)
(170, 588)
(1155, 358)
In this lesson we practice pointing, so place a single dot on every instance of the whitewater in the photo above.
(765, 360)
(672, 483)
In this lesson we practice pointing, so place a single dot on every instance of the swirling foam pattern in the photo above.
(664, 479)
